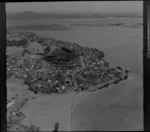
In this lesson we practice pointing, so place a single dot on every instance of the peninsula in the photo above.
(47, 66)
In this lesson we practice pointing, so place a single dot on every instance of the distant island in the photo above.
(36, 15)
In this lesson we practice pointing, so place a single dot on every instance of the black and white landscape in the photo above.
(74, 69)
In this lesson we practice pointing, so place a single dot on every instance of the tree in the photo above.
(59, 76)
(47, 50)
(101, 55)
(106, 64)
(61, 56)
(33, 128)
(25, 51)
(56, 126)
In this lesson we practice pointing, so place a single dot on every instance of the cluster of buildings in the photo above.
(50, 81)
(88, 69)
(18, 39)
(48, 77)
(18, 35)
(14, 116)
(96, 71)
(39, 75)
(18, 67)
(94, 76)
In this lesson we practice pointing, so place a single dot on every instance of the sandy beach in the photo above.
(118, 107)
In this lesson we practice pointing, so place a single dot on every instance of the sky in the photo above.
(87, 6)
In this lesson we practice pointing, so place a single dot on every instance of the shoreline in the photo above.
(62, 97)
(116, 97)
(85, 66)
(103, 87)
(74, 95)
(55, 96)
(59, 107)
(108, 83)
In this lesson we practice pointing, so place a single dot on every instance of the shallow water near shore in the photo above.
(118, 107)
(123, 46)
(46, 110)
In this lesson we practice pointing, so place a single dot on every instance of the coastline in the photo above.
(107, 83)
(111, 86)
(56, 100)
(38, 110)
(64, 104)
(58, 108)
(45, 111)
(104, 104)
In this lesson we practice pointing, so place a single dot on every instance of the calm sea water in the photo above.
(123, 46)
(117, 108)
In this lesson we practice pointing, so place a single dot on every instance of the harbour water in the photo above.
(118, 108)
(123, 46)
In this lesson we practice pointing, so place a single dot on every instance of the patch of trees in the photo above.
(47, 51)
(33, 128)
(26, 51)
(106, 64)
(99, 54)
(60, 55)
(19, 43)
(56, 127)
